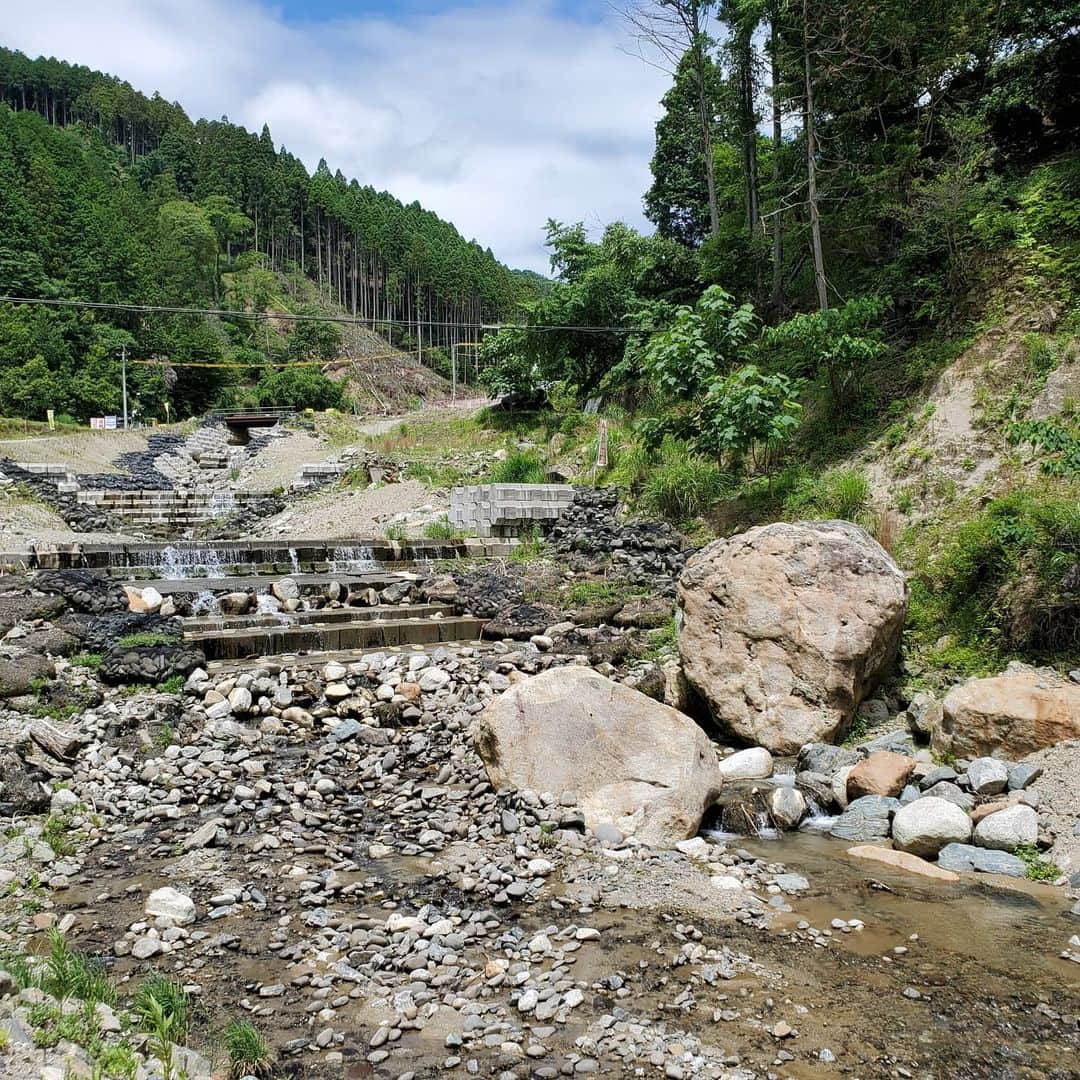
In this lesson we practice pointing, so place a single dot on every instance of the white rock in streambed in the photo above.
(169, 903)
(925, 826)
(755, 763)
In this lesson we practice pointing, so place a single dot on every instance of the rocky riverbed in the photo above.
(329, 860)
(506, 857)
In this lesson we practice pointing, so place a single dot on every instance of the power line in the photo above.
(268, 363)
(286, 316)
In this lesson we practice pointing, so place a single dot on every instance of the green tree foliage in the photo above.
(300, 387)
(111, 196)
(602, 290)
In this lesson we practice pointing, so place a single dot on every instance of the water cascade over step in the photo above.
(234, 608)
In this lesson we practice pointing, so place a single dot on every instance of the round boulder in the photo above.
(634, 763)
(925, 826)
(1007, 829)
(787, 627)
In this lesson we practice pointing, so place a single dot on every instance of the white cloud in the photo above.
(496, 116)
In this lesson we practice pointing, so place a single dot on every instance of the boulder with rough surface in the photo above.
(788, 626)
(1010, 715)
(634, 763)
(1007, 829)
(882, 773)
(925, 826)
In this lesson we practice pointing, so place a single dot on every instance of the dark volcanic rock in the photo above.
(521, 622)
(21, 790)
(149, 663)
(83, 590)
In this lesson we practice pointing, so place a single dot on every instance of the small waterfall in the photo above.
(352, 560)
(294, 562)
(816, 819)
(222, 503)
(180, 564)
(205, 603)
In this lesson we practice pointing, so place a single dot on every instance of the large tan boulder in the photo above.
(787, 627)
(1009, 715)
(631, 761)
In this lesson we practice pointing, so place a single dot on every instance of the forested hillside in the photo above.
(860, 300)
(110, 196)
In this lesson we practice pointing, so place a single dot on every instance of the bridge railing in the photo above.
(244, 414)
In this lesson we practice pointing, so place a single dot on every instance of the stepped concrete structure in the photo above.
(508, 509)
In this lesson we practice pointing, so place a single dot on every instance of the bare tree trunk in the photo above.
(706, 120)
(811, 170)
(777, 141)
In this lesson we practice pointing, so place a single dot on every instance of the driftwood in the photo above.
(59, 741)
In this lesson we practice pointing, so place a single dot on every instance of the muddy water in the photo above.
(1019, 926)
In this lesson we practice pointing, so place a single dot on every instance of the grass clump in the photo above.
(249, 1053)
(440, 529)
(160, 1001)
(530, 546)
(69, 974)
(663, 640)
(56, 832)
(87, 660)
(519, 467)
(680, 485)
(587, 593)
(174, 684)
(843, 494)
(397, 532)
(1036, 867)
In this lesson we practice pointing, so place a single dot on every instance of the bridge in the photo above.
(240, 421)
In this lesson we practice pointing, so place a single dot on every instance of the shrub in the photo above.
(1036, 867)
(520, 467)
(300, 388)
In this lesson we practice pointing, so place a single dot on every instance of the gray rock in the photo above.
(1022, 776)
(928, 824)
(826, 759)
(951, 793)
(987, 776)
(787, 806)
(866, 819)
(936, 775)
(899, 742)
(965, 858)
(1008, 828)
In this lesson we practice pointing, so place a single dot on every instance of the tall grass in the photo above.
(680, 485)
(841, 494)
(520, 467)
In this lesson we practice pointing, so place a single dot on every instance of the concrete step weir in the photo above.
(128, 561)
(336, 635)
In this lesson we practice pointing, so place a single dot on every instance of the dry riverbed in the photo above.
(346, 878)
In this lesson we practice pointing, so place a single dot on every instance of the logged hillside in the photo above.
(110, 196)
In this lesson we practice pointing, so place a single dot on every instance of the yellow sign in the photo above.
(51, 415)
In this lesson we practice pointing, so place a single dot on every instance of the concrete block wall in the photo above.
(507, 509)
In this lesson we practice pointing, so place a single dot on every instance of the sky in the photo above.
(496, 114)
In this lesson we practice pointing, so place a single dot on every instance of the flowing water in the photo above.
(352, 560)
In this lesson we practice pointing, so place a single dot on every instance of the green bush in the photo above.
(249, 1053)
(520, 467)
(157, 996)
(998, 586)
(300, 388)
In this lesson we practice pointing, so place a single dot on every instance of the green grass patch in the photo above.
(1037, 868)
(519, 467)
(249, 1053)
(87, 660)
(147, 639)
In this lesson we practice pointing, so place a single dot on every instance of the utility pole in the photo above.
(123, 379)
